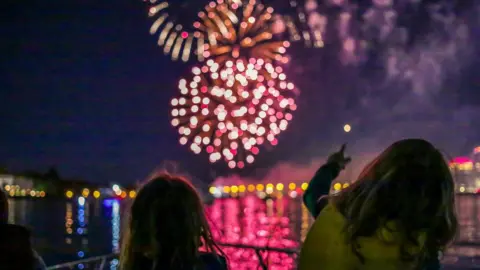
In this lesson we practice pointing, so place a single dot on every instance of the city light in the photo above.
(69, 194)
(337, 186)
(292, 186)
(96, 194)
(81, 201)
(347, 128)
(132, 194)
(304, 186)
(85, 192)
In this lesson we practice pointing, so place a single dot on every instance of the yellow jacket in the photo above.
(325, 247)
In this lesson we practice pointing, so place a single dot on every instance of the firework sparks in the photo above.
(240, 30)
(231, 111)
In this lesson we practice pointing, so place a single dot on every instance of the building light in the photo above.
(96, 194)
(280, 186)
(304, 186)
(132, 194)
(241, 188)
(69, 194)
(81, 201)
(337, 186)
(85, 192)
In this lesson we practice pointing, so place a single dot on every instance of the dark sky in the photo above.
(84, 88)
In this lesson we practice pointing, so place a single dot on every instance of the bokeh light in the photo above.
(230, 112)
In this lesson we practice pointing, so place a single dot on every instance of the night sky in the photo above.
(84, 88)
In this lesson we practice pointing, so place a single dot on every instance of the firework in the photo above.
(298, 20)
(230, 112)
(240, 30)
(174, 27)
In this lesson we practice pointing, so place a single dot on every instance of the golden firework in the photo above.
(230, 110)
(176, 35)
(240, 30)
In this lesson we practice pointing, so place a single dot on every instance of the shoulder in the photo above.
(214, 261)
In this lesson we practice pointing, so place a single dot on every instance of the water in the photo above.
(70, 230)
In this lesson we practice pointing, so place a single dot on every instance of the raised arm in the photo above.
(322, 180)
(319, 186)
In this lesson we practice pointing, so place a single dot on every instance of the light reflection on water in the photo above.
(253, 221)
(67, 230)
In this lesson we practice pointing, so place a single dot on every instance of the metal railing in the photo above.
(101, 261)
(451, 262)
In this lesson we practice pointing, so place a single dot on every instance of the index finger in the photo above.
(343, 147)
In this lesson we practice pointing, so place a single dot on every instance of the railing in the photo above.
(100, 261)
(110, 261)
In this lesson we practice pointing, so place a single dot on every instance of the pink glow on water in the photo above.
(252, 221)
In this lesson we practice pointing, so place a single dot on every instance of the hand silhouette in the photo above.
(339, 157)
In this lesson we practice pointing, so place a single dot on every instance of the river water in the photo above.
(68, 230)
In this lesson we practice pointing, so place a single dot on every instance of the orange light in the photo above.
(260, 187)
(251, 188)
(292, 186)
(132, 194)
(123, 194)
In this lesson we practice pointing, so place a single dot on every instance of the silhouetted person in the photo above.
(398, 215)
(16, 251)
(167, 228)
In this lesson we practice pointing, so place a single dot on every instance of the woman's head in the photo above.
(409, 183)
(167, 224)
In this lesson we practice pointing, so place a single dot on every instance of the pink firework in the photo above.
(229, 111)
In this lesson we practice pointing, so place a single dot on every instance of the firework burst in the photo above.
(173, 24)
(230, 111)
(240, 30)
